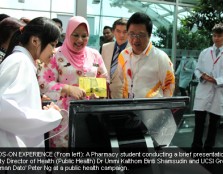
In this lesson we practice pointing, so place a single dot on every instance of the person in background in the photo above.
(185, 73)
(22, 120)
(145, 70)
(107, 36)
(60, 79)
(63, 36)
(209, 92)
(110, 52)
(59, 23)
(7, 28)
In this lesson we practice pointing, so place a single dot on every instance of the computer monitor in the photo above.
(124, 122)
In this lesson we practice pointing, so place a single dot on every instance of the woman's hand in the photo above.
(45, 98)
(77, 93)
(94, 96)
(51, 105)
(74, 91)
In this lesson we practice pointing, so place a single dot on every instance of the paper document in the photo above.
(93, 85)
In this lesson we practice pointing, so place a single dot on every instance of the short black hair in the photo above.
(218, 28)
(141, 18)
(107, 27)
(58, 21)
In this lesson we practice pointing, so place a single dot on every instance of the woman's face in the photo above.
(79, 37)
(48, 52)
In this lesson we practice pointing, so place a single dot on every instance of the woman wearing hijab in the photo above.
(60, 79)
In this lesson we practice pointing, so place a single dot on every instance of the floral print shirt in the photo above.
(59, 72)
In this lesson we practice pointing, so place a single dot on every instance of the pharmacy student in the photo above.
(208, 99)
(23, 122)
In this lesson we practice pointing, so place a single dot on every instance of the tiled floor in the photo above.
(184, 135)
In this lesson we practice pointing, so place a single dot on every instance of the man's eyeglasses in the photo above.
(76, 36)
(138, 36)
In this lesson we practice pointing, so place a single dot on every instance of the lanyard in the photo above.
(215, 61)
(132, 71)
(131, 75)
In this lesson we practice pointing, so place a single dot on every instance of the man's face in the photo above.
(108, 35)
(138, 37)
(120, 33)
(60, 27)
(217, 39)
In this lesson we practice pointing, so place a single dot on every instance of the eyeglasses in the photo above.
(138, 36)
(77, 36)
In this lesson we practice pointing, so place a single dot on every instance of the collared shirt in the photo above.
(22, 120)
(221, 48)
(147, 75)
(208, 95)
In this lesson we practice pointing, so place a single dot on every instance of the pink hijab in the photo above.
(75, 58)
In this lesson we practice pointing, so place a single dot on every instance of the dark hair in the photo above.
(3, 16)
(58, 21)
(218, 28)
(107, 27)
(121, 21)
(7, 27)
(43, 28)
(141, 18)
